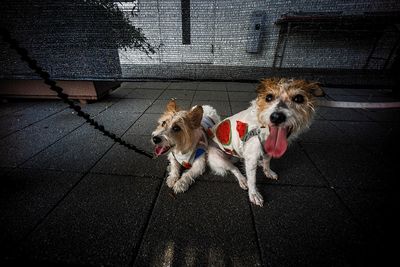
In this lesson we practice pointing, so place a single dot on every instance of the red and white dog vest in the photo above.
(231, 133)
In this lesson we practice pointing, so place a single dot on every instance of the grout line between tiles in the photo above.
(333, 188)
(146, 224)
(26, 126)
(62, 137)
(10, 113)
(229, 101)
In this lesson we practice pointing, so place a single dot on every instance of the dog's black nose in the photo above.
(277, 117)
(156, 140)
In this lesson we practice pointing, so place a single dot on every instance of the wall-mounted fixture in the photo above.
(257, 22)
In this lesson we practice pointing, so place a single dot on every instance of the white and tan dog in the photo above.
(183, 135)
(283, 109)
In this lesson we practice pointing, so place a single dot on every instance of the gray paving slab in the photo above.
(363, 132)
(346, 165)
(389, 146)
(294, 168)
(373, 98)
(78, 151)
(14, 105)
(372, 208)
(178, 94)
(81, 149)
(318, 116)
(100, 223)
(223, 108)
(119, 160)
(245, 87)
(211, 95)
(324, 132)
(144, 93)
(242, 96)
(130, 85)
(148, 85)
(95, 108)
(239, 106)
(135, 105)
(301, 226)
(341, 114)
(211, 224)
(159, 106)
(3, 171)
(117, 119)
(26, 197)
(357, 91)
(382, 115)
(153, 85)
(121, 92)
(145, 125)
(349, 98)
(20, 146)
(212, 86)
(184, 85)
(20, 119)
(336, 91)
(368, 92)
(384, 152)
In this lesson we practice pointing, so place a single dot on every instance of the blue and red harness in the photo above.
(187, 160)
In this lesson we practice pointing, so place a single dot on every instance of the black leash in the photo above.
(54, 87)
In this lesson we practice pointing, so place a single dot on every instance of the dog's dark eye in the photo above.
(269, 97)
(298, 99)
(163, 123)
(176, 128)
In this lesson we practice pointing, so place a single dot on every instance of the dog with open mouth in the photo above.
(183, 135)
(283, 109)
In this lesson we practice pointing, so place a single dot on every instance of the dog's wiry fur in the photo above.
(283, 109)
(284, 90)
(179, 132)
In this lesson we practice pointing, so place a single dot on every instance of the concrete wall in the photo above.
(219, 34)
(161, 21)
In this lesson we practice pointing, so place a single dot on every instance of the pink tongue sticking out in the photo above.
(276, 143)
(159, 150)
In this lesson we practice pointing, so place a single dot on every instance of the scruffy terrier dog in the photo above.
(183, 135)
(283, 109)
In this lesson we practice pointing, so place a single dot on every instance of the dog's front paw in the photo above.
(181, 186)
(243, 183)
(171, 180)
(271, 174)
(256, 198)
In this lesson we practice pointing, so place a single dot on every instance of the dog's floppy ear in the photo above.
(195, 116)
(315, 89)
(171, 106)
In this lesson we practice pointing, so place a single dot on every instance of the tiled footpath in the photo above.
(71, 197)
